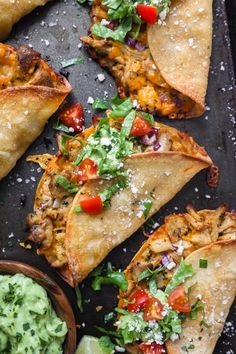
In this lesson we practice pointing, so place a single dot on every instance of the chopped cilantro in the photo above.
(111, 277)
(59, 328)
(203, 323)
(79, 298)
(106, 345)
(67, 185)
(203, 263)
(147, 205)
(62, 127)
(100, 104)
(109, 317)
(73, 61)
(26, 326)
(194, 309)
(186, 348)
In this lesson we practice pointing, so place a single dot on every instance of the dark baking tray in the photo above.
(54, 31)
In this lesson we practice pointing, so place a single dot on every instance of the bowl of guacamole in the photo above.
(35, 315)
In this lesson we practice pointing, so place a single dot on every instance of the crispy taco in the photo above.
(12, 11)
(157, 51)
(30, 92)
(181, 285)
(123, 168)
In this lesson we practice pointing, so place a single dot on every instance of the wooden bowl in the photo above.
(59, 300)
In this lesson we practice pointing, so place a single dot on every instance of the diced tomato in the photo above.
(137, 301)
(87, 170)
(153, 310)
(73, 117)
(148, 13)
(152, 348)
(92, 205)
(178, 300)
(140, 127)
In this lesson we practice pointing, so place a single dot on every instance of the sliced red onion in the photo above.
(163, 98)
(112, 24)
(131, 42)
(168, 262)
(154, 131)
(165, 260)
(139, 46)
(157, 146)
(149, 140)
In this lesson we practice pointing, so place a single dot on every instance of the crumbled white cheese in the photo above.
(104, 22)
(170, 265)
(90, 100)
(174, 337)
(101, 77)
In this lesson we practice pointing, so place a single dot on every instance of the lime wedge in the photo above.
(89, 345)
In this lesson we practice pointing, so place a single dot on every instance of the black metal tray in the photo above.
(54, 31)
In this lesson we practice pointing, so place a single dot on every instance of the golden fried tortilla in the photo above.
(195, 235)
(12, 11)
(30, 92)
(181, 49)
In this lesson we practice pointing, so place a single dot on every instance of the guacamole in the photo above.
(28, 323)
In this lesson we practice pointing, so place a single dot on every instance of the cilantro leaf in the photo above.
(73, 61)
(112, 277)
(62, 127)
(147, 204)
(100, 104)
(106, 345)
(194, 309)
(79, 298)
(183, 272)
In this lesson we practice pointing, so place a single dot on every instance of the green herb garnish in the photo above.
(147, 205)
(194, 309)
(79, 298)
(100, 104)
(203, 263)
(62, 127)
(106, 345)
(111, 277)
(183, 272)
(67, 185)
(73, 61)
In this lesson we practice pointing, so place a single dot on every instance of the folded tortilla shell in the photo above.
(153, 175)
(217, 286)
(24, 111)
(12, 11)
(181, 49)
